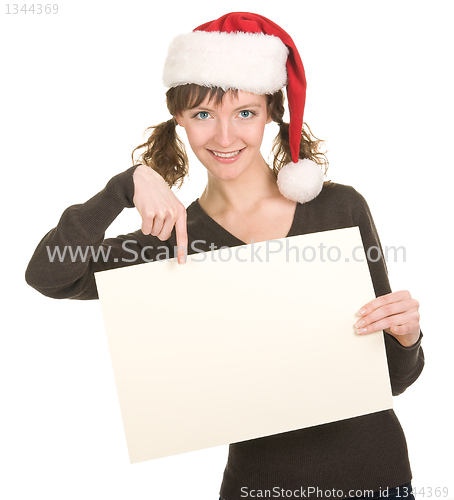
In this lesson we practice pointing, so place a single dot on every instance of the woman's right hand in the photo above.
(160, 209)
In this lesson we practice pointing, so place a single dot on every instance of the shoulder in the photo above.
(194, 213)
(335, 197)
(198, 222)
(333, 191)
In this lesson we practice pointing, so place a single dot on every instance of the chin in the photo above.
(225, 171)
(225, 176)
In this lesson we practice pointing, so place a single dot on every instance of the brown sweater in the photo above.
(361, 453)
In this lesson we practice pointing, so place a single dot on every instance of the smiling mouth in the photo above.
(226, 155)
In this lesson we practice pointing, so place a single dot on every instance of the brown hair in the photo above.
(166, 154)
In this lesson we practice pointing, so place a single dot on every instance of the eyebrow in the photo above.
(245, 106)
(251, 105)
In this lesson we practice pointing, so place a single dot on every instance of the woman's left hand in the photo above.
(397, 313)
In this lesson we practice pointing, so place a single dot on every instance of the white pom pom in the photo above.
(301, 181)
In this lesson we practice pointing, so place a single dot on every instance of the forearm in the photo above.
(62, 264)
(405, 364)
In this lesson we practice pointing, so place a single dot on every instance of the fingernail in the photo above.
(362, 312)
(361, 322)
(362, 330)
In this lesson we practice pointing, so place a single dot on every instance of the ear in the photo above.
(269, 120)
(180, 120)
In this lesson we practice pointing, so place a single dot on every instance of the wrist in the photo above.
(120, 189)
(407, 340)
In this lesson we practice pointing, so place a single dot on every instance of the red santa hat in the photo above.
(249, 52)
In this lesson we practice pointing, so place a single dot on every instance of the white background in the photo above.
(78, 90)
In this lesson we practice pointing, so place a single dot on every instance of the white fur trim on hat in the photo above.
(301, 181)
(253, 62)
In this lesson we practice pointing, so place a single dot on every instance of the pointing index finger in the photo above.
(182, 238)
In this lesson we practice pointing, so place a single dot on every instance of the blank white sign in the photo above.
(228, 348)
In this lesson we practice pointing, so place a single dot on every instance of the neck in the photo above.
(241, 194)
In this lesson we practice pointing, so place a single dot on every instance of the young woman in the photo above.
(226, 81)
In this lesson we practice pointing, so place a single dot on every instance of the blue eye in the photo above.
(203, 115)
(245, 113)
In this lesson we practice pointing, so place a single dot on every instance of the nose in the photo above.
(225, 133)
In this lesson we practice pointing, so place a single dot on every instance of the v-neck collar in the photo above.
(215, 226)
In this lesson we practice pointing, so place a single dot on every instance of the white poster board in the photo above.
(227, 348)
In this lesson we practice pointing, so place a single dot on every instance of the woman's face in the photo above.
(227, 138)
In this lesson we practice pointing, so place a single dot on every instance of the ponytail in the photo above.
(309, 148)
(309, 145)
(165, 153)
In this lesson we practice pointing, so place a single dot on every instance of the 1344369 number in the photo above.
(427, 491)
(34, 8)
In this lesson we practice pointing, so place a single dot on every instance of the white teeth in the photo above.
(226, 155)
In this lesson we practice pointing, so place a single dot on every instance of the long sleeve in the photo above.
(64, 262)
(405, 364)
